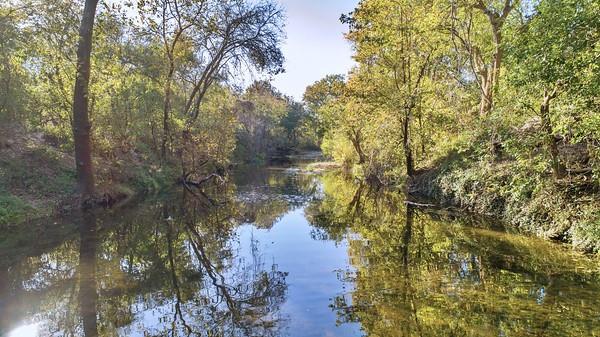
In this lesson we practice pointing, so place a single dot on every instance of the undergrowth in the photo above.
(518, 194)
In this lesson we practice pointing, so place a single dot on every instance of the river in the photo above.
(286, 252)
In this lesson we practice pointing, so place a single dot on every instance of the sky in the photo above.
(315, 45)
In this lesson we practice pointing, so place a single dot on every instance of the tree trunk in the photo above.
(492, 73)
(487, 94)
(490, 84)
(167, 110)
(558, 170)
(81, 122)
(489, 77)
(406, 143)
(355, 138)
(422, 136)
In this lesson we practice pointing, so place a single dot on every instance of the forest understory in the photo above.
(37, 178)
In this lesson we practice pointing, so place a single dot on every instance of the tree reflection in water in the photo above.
(179, 266)
(423, 273)
(166, 270)
(88, 297)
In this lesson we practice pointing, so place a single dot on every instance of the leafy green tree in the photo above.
(482, 41)
(13, 77)
(319, 95)
(209, 41)
(553, 54)
(398, 45)
(260, 113)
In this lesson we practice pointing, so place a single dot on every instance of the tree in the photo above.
(292, 121)
(81, 121)
(484, 65)
(260, 113)
(242, 34)
(319, 97)
(397, 44)
(170, 20)
(12, 79)
(554, 53)
(208, 41)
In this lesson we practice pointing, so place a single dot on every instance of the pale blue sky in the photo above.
(315, 44)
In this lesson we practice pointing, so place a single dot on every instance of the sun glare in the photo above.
(29, 330)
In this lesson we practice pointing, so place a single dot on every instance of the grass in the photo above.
(12, 209)
(38, 179)
(33, 180)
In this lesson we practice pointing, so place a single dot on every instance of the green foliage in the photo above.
(557, 46)
(392, 104)
(416, 92)
(320, 98)
(13, 79)
(517, 195)
(161, 76)
(415, 89)
(149, 179)
(12, 209)
(40, 171)
(337, 147)
(556, 51)
(33, 182)
(270, 125)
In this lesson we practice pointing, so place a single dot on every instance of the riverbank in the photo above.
(567, 210)
(37, 180)
(37, 177)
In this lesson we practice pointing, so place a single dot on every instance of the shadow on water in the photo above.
(283, 253)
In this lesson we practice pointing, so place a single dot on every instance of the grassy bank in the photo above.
(567, 210)
(37, 178)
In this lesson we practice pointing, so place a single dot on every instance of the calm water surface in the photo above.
(282, 252)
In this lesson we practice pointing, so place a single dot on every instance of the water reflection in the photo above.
(169, 268)
(88, 297)
(425, 274)
(283, 253)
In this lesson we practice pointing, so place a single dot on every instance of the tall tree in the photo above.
(394, 77)
(171, 20)
(485, 65)
(242, 34)
(81, 120)
(319, 97)
(555, 53)
(206, 42)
